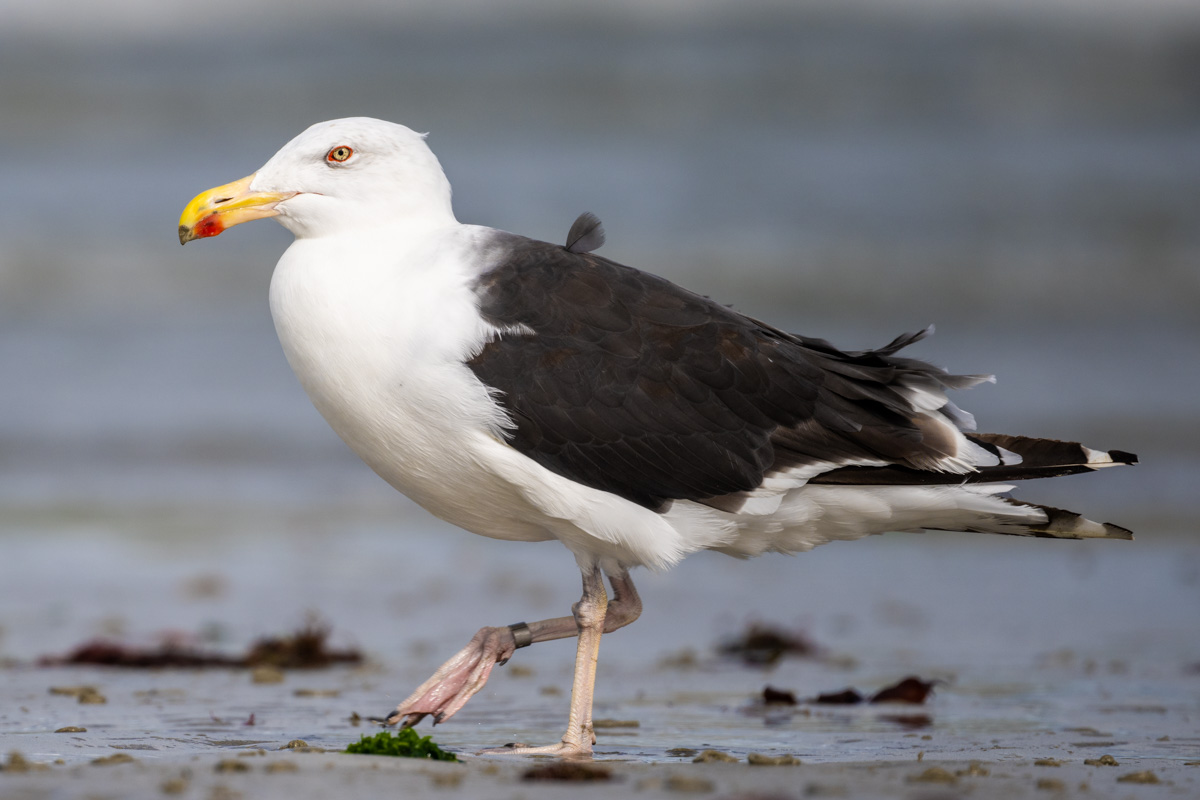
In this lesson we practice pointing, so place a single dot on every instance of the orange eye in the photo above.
(339, 154)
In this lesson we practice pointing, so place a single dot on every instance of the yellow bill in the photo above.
(213, 211)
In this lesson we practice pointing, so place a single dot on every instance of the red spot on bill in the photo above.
(209, 226)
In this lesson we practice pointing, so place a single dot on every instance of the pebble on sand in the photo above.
(760, 760)
(933, 775)
(1145, 776)
(115, 758)
(18, 763)
(1103, 761)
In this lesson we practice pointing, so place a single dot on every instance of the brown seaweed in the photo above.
(304, 649)
(773, 696)
(762, 646)
(911, 690)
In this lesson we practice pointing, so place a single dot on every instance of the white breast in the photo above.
(377, 329)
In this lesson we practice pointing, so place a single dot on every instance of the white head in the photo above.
(340, 175)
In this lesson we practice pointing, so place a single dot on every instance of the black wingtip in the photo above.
(1122, 457)
(586, 234)
(1117, 532)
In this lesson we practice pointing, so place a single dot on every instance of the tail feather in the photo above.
(1062, 524)
(1051, 523)
(1065, 524)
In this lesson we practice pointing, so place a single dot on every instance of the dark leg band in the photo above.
(522, 634)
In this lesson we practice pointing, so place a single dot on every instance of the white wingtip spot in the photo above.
(1009, 458)
(1098, 458)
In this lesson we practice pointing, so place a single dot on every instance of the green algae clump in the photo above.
(405, 744)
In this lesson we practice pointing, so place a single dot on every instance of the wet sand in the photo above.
(1048, 650)
(327, 775)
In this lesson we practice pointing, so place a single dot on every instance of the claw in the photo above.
(393, 717)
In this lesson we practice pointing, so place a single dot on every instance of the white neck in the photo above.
(403, 216)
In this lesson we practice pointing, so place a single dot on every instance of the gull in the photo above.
(529, 391)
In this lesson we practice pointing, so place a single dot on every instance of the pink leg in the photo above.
(590, 613)
(456, 681)
(624, 608)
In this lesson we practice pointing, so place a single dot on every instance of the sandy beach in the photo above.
(1042, 664)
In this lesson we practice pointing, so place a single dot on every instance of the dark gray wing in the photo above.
(624, 382)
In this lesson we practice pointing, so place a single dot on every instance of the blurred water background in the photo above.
(1026, 175)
